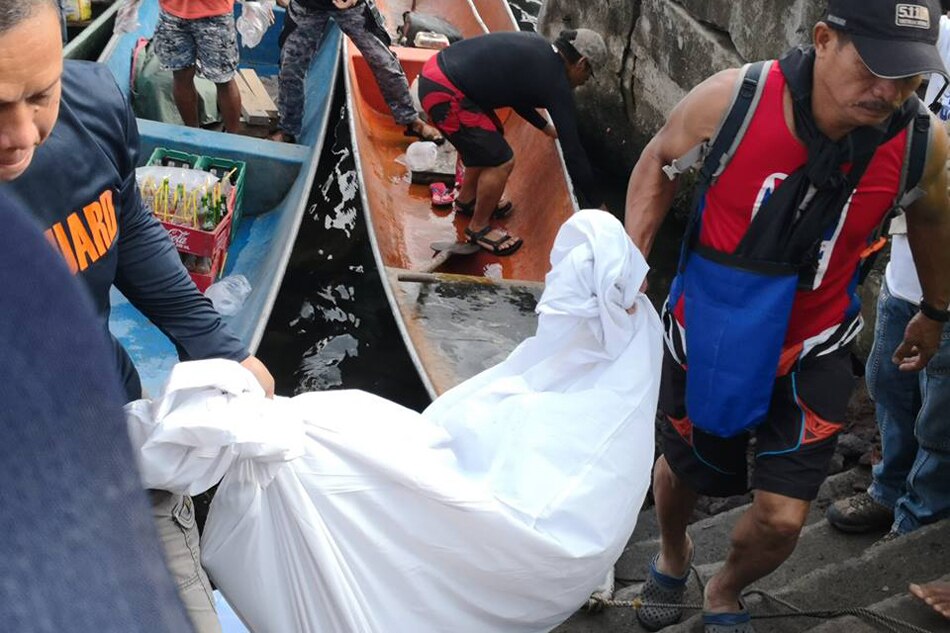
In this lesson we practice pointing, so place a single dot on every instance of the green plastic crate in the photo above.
(220, 167)
(173, 158)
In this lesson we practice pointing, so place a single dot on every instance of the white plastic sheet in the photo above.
(499, 509)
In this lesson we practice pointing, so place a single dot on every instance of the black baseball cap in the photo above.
(895, 39)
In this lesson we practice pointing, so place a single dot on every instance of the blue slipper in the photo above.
(662, 589)
(740, 622)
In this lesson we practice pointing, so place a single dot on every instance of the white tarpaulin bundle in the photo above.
(499, 509)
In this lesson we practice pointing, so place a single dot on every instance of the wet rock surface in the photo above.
(659, 50)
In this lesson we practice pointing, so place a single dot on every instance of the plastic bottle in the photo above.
(254, 20)
(421, 156)
(229, 294)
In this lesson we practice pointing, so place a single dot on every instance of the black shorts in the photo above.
(476, 134)
(793, 446)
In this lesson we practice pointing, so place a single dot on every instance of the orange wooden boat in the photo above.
(456, 321)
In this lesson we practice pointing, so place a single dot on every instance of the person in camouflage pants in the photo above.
(301, 38)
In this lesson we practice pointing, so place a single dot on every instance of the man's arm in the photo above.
(693, 121)
(928, 233)
(150, 274)
(564, 115)
(533, 117)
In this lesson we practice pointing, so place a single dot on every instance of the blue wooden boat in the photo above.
(276, 192)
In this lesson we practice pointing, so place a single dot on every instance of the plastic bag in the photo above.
(341, 512)
(190, 178)
(184, 196)
(421, 155)
(127, 17)
(413, 23)
(254, 20)
(229, 294)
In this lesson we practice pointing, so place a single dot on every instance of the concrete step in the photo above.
(903, 607)
(820, 544)
(711, 536)
(878, 574)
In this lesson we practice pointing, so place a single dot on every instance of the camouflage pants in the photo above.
(302, 44)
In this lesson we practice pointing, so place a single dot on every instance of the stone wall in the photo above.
(659, 50)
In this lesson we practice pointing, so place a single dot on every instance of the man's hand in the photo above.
(283, 3)
(256, 367)
(921, 340)
(345, 4)
(550, 130)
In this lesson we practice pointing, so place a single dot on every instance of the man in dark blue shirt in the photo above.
(464, 84)
(68, 152)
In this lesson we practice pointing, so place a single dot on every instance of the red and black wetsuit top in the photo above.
(522, 71)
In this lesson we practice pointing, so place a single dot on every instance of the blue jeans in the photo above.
(913, 414)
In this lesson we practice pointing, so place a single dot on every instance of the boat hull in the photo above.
(402, 223)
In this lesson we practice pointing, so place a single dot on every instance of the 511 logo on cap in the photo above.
(913, 15)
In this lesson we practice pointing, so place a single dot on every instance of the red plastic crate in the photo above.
(203, 280)
(198, 242)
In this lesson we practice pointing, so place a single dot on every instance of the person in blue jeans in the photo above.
(910, 485)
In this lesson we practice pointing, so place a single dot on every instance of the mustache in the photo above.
(882, 107)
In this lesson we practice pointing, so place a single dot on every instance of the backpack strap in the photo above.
(909, 191)
(915, 161)
(716, 152)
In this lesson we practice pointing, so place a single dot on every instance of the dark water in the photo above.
(332, 326)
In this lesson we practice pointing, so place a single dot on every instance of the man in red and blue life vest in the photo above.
(822, 160)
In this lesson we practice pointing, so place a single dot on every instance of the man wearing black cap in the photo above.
(825, 147)
(461, 87)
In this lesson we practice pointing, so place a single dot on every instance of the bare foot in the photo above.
(714, 601)
(673, 563)
(936, 594)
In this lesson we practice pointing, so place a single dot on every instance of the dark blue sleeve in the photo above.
(150, 274)
(562, 111)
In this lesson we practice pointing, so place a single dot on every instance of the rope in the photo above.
(889, 623)
(886, 622)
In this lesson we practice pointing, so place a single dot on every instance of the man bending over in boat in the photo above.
(361, 22)
(68, 151)
(200, 34)
(462, 86)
